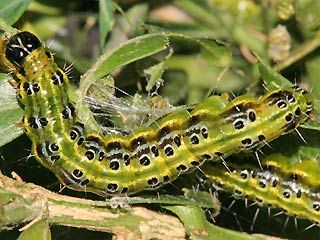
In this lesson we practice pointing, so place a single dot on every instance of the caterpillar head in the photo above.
(291, 107)
(23, 46)
(20, 46)
(303, 109)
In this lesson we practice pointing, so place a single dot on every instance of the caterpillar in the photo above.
(148, 157)
(283, 183)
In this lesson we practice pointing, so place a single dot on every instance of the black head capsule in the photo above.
(20, 46)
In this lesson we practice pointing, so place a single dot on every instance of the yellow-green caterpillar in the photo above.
(283, 183)
(149, 157)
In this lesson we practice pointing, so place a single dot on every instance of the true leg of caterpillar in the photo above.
(148, 157)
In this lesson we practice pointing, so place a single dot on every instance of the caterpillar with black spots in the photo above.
(149, 157)
(283, 183)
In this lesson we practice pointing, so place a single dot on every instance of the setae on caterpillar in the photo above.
(283, 183)
(150, 156)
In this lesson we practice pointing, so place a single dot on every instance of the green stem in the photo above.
(22, 202)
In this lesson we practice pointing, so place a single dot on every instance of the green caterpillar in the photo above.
(149, 157)
(291, 186)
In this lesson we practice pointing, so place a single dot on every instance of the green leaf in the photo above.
(271, 78)
(11, 10)
(154, 74)
(152, 70)
(106, 19)
(37, 231)
(128, 52)
(215, 52)
(134, 49)
(10, 112)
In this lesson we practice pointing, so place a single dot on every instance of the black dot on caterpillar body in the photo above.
(244, 174)
(48, 54)
(261, 138)
(114, 164)
(290, 98)
(246, 141)
(68, 112)
(195, 163)
(299, 193)
(55, 158)
(77, 133)
(281, 104)
(20, 46)
(262, 183)
(316, 206)
(237, 193)
(297, 112)
(182, 168)
(124, 190)
(168, 150)
(287, 193)
(274, 183)
(30, 89)
(206, 156)
(238, 124)
(166, 178)
(204, 132)
(36, 123)
(77, 173)
(101, 156)
(53, 147)
(251, 115)
(195, 139)
(177, 141)
(289, 117)
(153, 182)
(84, 182)
(144, 160)
(126, 158)
(90, 154)
(58, 78)
(219, 154)
(43, 121)
(112, 187)
(155, 151)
